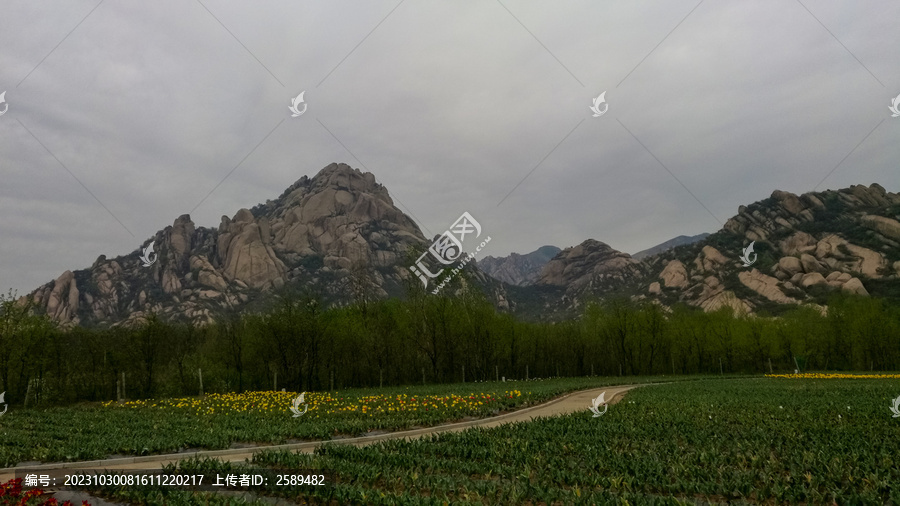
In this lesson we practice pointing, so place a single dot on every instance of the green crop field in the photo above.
(96, 431)
(748, 441)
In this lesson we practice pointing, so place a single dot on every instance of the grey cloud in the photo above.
(450, 104)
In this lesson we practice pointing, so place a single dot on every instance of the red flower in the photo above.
(13, 490)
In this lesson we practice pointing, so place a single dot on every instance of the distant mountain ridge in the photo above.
(681, 240)
(339, 236)
(516, 269)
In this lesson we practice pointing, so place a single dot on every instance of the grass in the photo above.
(763, 441)
(97, 431)
(800, 440)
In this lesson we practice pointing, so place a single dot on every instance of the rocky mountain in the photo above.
(805, 248)
(337, 234)
(516, 269)
(681, 240)
(592, 265)
(589, 270)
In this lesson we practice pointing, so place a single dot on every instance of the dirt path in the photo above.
(569, 403)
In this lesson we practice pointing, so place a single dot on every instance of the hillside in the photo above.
(337, 234)
(516, 269)
(806, 248)
(339, 237)
(681, 240)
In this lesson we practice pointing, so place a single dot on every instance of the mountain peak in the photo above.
(341, 175)
(589, 264)
(316, 234)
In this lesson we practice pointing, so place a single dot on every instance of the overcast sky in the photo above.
(150, 105)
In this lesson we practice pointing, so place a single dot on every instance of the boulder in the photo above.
(812, 278)
(854, 285)
(654, 288)
(874, 195)
(886, 226)
(812, 201)
(674, 275)
(790, 265)
(710, 259)
(212, 279)
(788, 201)
(766, 286)
(810, 264)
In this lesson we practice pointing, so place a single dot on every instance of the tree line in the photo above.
(299, 345)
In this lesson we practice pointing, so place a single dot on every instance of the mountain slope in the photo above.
(806, 248)
(681, 240)
(339, 236)
(319, 234)
(516, 269)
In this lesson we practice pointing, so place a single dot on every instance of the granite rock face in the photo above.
(588, 265)
(340, 230)
(320, 231)
(675, 275)
(811, 241)
(805, 247)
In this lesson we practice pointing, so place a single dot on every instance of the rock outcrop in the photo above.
(805, 247)
(674, 275)
(319, 232)
(338, 234)
(885, 226)
(590, 266)
(61, 300)
(766, 286)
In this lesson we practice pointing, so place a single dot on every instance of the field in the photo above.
(747, 441)
(95, 431)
